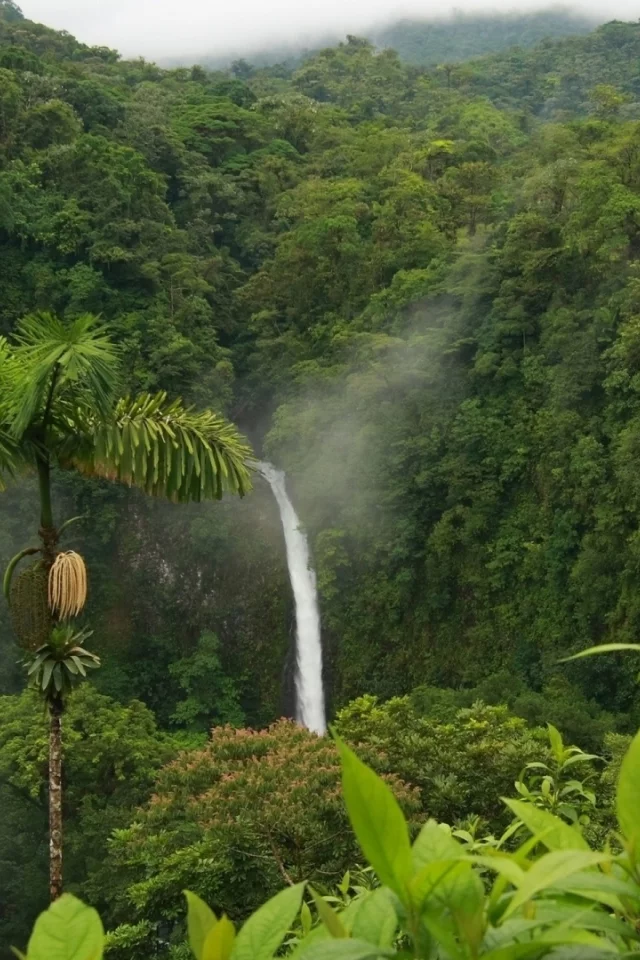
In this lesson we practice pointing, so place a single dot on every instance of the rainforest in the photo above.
(411, 283)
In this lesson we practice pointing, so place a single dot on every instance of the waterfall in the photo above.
(309, 690)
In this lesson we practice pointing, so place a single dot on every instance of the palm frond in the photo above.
(7, 362)
(169, 450)
(12, 453)
(9, 456)
(58, 665)
(52, 357)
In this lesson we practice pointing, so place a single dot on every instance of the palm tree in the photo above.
(60, 406)
(54, 670)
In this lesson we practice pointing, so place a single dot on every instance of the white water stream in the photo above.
(309, 690)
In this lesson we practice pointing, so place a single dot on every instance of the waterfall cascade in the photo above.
(310, 710)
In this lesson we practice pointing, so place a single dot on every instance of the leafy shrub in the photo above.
(210, 696)
(560, 702)
(462, 767)
(554, 897)
(233, 821)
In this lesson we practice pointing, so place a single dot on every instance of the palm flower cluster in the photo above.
(67, 585)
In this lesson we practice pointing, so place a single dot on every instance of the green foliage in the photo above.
(111, 754)
(200, 921)
(234, 820)
(210, 697)
(60, 663)
(417, 290)
(384, 838)
(553, 786)
(551, 897)
(48, 124)
(560, 702)
(627, 799)
(461, 766)
(67, 931)
(263, 933)
(59, 391)
(463, 36)
(297, 246)
(10, 11)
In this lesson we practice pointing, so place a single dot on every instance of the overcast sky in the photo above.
(157, 28)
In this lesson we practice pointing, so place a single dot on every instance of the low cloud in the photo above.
(160, 28)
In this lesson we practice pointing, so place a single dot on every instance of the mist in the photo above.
(161, 28)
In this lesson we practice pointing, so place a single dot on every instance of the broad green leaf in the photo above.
(628, 795)
(460, 895)
(555, 739)
(47, 670)
(265, 930)
(598, 920)
(586, 952)
(377, 820)
(375, 919)
(427, 880)
(504, 864)
(218, 944)
(553, 832)
(442, 931)
(343, 950)
(601, 888)
(551, 868)
(329, 917)
(581, 758)
(345, 883)
(318, 934)
(514, 930)
(602, 648)
(306, 920)
(433, 843)
(200, 920)
(516, 951)
(68, 930)
(557, 920)
(564, 934)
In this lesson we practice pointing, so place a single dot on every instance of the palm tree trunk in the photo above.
(55, 799)
(48, 533)
(48, 536)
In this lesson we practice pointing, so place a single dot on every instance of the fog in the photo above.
(159, 28)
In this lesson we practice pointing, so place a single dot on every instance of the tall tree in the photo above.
(10, 11)
(59, 406)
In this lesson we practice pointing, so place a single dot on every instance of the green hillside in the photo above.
(463, 36)
(423, 42)
(415, 289)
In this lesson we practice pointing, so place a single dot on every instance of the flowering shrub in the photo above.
(234, 821)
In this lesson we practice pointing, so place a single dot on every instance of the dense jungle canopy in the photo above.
(413, 287)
